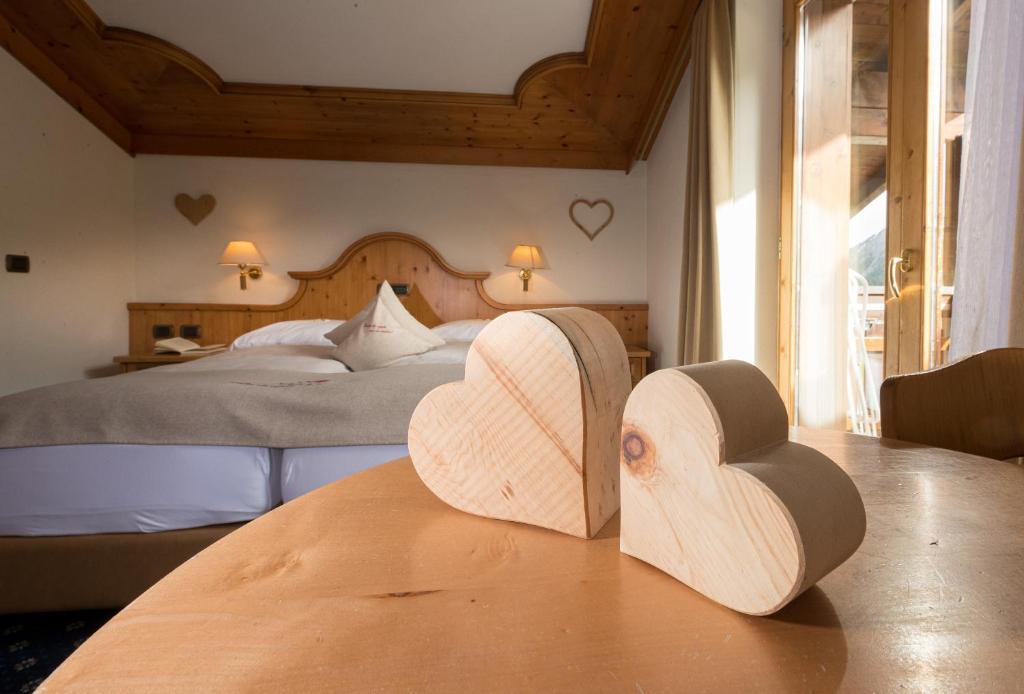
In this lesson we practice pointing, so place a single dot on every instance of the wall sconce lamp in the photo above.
(246, 257)
(527, 259)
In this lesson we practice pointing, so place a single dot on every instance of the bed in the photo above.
(92, 522)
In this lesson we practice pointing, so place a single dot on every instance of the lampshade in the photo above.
(242, 253)
(526, 257)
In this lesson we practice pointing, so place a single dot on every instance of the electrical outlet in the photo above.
(17, 263)
(162, 332)
(401, 289)
(191, 332)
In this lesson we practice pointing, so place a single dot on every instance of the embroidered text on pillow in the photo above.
(383, 332)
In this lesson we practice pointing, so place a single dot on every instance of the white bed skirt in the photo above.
(118, 488)
(77, 490)
(305, 469)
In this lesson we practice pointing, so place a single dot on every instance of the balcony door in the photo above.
(871, 171)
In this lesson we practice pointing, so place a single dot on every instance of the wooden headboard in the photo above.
(438, 293)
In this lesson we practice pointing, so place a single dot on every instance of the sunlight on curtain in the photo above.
(737, 266)
(708, 180)
(988, 309)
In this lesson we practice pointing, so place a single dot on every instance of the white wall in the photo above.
(750, 260)
(666, 183)
(66, 201)
(302, 215)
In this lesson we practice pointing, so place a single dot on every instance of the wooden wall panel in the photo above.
(438, 293)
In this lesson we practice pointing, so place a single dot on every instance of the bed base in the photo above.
(80, 572)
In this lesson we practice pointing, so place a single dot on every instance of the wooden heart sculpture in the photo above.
(715, 495)
(195, 210)
(587, 224)
(532, 433)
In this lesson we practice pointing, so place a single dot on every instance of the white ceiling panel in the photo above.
(437, 45)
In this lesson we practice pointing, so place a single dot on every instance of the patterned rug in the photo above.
(33, 645)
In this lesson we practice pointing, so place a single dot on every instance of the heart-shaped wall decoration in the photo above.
(591, 215)
(532, 433)
(715, 495)
(195, 210)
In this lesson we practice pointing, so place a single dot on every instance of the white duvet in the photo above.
(101, 488)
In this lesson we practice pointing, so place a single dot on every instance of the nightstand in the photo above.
(638, 357)
(138, 362)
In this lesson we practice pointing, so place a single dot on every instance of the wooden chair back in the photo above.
(975, 405)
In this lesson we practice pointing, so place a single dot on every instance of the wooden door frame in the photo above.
(787, 293)
(906, 181)
(911, 150)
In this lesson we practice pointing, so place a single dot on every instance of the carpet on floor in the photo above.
(33, 645)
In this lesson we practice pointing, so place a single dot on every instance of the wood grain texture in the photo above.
(639, 362)
(531, 434)
(823, 190)
(438, 293)
(372, 583)
(907, 182)
(598, 108)
(975, 405)
(715, 495)
(42, 65)
(788, 211)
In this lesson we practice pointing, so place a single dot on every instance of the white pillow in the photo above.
(381, 333)
(289, 332)
(460, 330)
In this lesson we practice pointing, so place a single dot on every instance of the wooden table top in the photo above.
(371, 583)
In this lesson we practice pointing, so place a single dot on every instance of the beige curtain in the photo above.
(988, 306)
(708, 181)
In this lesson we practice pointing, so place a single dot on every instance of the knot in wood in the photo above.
(638, 454)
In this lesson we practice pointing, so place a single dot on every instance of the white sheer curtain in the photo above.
(988, 308)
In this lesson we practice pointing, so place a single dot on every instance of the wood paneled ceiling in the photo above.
(600, 108)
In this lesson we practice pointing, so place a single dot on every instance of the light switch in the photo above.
(17, 263)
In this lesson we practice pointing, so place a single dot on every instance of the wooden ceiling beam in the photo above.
(40, 64)
(599, 108)
(324, 149)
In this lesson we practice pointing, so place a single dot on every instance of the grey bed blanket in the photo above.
(273, 409)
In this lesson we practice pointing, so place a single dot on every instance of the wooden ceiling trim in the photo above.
(218, 85)
(166, 49)
(599, 108)
(102, 32)
(564, 61)
(40, 64)
(209, 76)
(334, 150)
(643, 55)
(662, 100)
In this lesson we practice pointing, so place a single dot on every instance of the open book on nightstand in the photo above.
(179, 345)
(171, 351)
